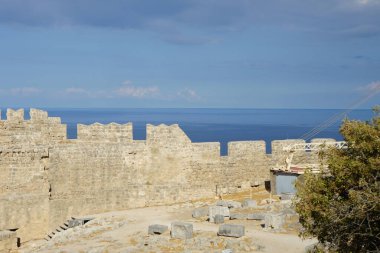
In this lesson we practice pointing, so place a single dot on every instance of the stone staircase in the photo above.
(70, 223)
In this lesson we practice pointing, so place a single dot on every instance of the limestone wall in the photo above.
(45, 178)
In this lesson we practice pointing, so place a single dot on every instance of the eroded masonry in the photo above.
(46, 178)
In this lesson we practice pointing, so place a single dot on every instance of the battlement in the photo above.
(45, 178)
(166, 134)
(40, 128)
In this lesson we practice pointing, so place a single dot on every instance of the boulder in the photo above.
(181, 230)
(231, 230)
(157, 229)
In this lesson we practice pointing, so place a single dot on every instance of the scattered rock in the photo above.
(229, 203)
(287, 196)
(274, 221)
(249, 203)
(231, 230)
(157, 229)
(200, 212)
(181, 230)
(256, 216)
(219, 219)
(227, 251)
(214, 210)
(238, 216)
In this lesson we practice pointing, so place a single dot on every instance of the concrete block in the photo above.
(219, 219)
(231, 230)
(256, 216)
(249, 203)
(214, 210)
(200, 212)
(274, 221)
(181, 230)
(157, 229)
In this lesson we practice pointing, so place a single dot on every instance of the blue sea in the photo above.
(218, 125)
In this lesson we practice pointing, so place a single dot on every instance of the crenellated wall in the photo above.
(46, 178)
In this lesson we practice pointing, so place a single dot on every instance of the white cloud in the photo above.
(73, 90)
(129, 90)
(24, 91)
(188, 94)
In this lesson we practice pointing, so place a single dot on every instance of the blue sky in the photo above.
(190, 53)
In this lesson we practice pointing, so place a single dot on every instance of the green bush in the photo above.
(341, 206)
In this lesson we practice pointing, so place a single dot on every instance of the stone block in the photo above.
(214, 210)
(219, 219)
(256, 216)
(228, 203)
(274, 221)
(231, 230)
(181, 230)
(238, 216)
(249, 203)
(287, 196)
(200, 212)
(157, 229)
(227, 251)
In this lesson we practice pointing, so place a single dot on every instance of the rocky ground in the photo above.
(271, 225)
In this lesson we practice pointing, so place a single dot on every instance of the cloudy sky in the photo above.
(190, 53)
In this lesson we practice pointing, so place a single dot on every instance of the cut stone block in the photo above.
(200, 212)
(274, 221)
(238, 216)
(181, 230)
(256, 216)
(157, 229)
(231, 230)
(214, 210)
(229, 203)
(287, 196)
(249, 203)
(219, 219)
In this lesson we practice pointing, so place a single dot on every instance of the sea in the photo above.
(219, 125)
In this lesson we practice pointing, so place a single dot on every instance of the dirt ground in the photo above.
(127, 231)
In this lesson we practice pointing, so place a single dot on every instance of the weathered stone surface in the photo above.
(287, 196)
(214, 210)
(157, 229)
(181, 230)
(45, 177)
(274, 221)
(219, 219)
(231, 230)
(238, 216)
(228, 203)
(8, 241)
(200, 212)
(227, 251)
(256, 216)
(249, 203)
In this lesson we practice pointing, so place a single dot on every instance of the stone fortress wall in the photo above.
(46, 178)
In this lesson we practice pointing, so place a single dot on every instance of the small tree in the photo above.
(341, 207)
